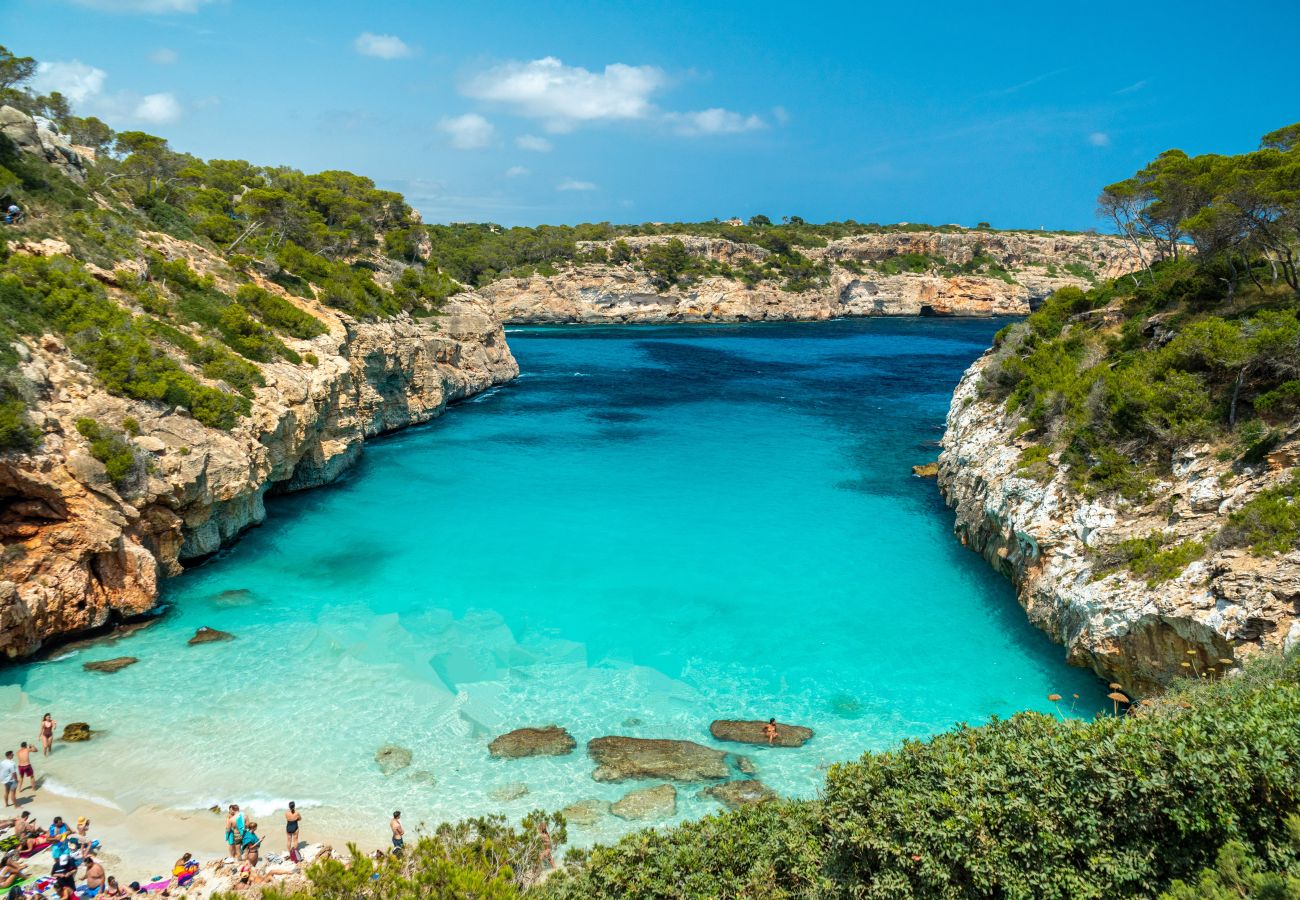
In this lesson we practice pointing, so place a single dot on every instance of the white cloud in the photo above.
(157, 108)
(143, 6)
(383, 46)
(533, 142)
(75, 80)
(781, 115)
(1099, 139)
(572, 185)
(468, 132)
(516, 172)
(714, 121)
(164, 56)
(564, 96)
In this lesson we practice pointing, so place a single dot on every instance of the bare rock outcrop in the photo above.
(109, 666)
(1047, 539)
(624, 758)
(746, 731)
(549, 741)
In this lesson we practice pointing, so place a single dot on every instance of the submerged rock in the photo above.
(647, 803)
(549, 741)
(745, 765)
(508, 792)
(423, 778)
(751, 732)
(110, 666)
(738, 793)
(206, 635)
(74, 732)
(621, 758)
(586, 812)
(392, 758)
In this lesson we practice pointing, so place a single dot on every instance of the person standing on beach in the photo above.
(25, 767)
(234, 829)
(399, 833)
(47, 733)
(291, 820)
(9, 776)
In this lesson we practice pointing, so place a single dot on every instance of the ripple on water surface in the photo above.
(654, 528)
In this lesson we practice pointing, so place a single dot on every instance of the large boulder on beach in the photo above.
(549, 741)
(657, 802)
(622, 758)
(206, 635)
(751, 732)
(585, 812)
(109, 666)
(76, 731)
(738, 793)
(392, 758)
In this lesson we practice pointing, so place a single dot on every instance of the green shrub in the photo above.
(1237, 874)
(1269, 522)
(110, 448)
(279, 313)
(1152, 557)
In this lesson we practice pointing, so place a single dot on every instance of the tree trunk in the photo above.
(1236, 394)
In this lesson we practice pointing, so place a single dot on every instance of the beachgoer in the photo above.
(185, 869)
(291, 820)
(83, 826)
(94, 877)
(47, 733)
(13, 215)
(251, 843)
(135, 888)
(29, 835)
(234, 829)
(25, 766)
(64, 873)
(399, 833)
(113, 889)
(9, 776)
(12, 871)
(547, 855)
(770, 730)
(59, 829)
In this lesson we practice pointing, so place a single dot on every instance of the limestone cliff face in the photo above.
(624, 294)
(1045, 538)
(79, 554)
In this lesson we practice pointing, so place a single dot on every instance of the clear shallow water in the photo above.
(652, 528)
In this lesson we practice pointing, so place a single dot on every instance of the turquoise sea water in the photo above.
(652, 528)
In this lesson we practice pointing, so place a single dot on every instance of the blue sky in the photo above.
(523, 113)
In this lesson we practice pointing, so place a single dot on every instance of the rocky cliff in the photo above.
(79, 554)
(1049, 540)
(1035, 265)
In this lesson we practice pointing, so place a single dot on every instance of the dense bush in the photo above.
(1268, 523)
(1153, 557)
(113, 450)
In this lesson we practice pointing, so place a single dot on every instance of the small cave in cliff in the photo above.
(25, 509)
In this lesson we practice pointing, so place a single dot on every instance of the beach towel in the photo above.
(43, 844)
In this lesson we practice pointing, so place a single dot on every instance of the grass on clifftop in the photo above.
(1196, 788)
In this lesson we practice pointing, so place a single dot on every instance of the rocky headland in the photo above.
(858, 280)
(1049, 540)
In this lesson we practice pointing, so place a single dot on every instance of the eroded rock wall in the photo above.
(1046, 539)
(78, 553)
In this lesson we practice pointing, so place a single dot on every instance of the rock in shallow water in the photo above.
(647, 803)
(206, 635)
(76, 731)
(392, 758)
(549, 741)
(751, 732)
(926, 470)
(109, 666)
(738, 793)
(508, 792)
(621, 758)
(586, 812)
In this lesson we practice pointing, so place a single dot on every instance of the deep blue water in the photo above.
(651, 528)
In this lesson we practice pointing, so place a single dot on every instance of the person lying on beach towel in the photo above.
(12, 871)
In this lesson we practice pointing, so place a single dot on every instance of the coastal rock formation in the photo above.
(81, 553)
(751, 732)
(657, 802)
(109, 666)
(507, 792)
(739, 793)
(392, 758)
(623, 758)
(1047, 539)
(586, 812)
(75, 732)
(37, 137)
(206, 635)
(926, 470)
(602, 293)
(549, 741)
